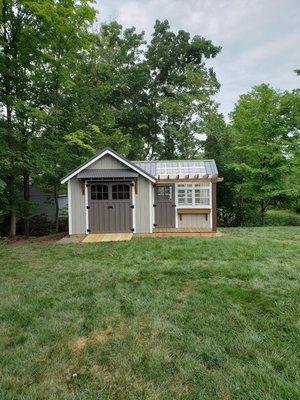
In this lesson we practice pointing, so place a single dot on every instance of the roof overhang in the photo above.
(107, 173)
(114, 155)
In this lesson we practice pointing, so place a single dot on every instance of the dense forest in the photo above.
(70, 86)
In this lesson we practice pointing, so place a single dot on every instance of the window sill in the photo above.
(193, 210)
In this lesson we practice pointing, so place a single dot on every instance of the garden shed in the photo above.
(108, 194)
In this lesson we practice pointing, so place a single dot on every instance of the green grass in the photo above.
(171, 318)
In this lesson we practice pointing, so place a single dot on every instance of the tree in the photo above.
(66, 40)
(263, 147)
(19, 58)
(180, 90)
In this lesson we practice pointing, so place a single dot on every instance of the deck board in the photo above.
(106, 237)
(181, 230)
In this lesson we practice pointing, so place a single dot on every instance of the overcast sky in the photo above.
(260, 39)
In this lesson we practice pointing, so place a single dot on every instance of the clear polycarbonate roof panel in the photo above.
(180, 167)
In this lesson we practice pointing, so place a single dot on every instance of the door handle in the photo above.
(110, 207)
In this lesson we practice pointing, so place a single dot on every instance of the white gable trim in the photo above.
(104, 153)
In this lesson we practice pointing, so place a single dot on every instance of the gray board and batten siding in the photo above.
(143, 209)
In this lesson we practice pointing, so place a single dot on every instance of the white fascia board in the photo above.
(102, 155)
(70, 208)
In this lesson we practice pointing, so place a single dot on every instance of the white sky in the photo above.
(260, 38)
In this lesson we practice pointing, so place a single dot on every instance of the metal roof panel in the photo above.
(107, 173)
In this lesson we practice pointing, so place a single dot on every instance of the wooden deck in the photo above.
(182, 230)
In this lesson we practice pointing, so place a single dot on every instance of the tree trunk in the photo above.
(56, 209)
(7, 86)
(13, 224)
(262, 212)
(26, 197)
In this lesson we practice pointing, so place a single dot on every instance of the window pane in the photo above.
(193, 194)
(164, 192)
(120, 192)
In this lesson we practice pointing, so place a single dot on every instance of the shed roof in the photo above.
(107, 173)
(99, 155)
(162, 168)
(152, 170)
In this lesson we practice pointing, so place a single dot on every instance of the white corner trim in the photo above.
(133, 210)
(70, 208)
(87, 164)
(86, 203)
(211, 213)
(151, 211)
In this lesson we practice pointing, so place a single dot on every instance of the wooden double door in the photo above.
(110, 207)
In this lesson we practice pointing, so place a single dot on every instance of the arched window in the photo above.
(99, 192)
(121, 192)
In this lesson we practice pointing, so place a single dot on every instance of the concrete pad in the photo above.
(106, 237)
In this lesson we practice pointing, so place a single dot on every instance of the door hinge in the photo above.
(154, 205)
(154, 185)
(154, 224)
(173, 205)
(88, 207)
(132, 206)
(132, 184)
(87, 185)
(132, 229)
(88, 230)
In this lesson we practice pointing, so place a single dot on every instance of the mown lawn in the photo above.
(171, 318)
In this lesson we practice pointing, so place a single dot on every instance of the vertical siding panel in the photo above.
(143, 206)
(107, 162)
(193, 221)
(78, 207)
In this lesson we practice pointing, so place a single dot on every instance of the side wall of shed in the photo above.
(76, 207)
(143, 206)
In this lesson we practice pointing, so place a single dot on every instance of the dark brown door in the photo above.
(110, 207)
(165, 206)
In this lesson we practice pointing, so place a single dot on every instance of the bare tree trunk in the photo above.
(26, 197)
(7, 102)
(56, 209)
(13, 224)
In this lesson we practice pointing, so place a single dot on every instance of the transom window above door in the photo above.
(121, 192)
(193, 194)
(99, 192)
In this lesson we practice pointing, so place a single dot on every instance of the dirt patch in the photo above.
(95, 338)
(187, 291)
(116, 328)
(71, 239)
(20, 240)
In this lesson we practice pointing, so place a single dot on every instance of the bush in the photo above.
(230, 218)
(282, 218)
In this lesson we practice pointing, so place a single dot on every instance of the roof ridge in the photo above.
(153, 161)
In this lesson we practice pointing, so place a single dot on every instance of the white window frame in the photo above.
(193, 188)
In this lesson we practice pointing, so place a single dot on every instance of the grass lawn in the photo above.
(170, 318)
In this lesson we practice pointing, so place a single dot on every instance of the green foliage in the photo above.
(180, 90)
(265, 134)
(68, 90)
(282, 218)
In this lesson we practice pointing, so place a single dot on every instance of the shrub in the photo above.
(282, 218)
